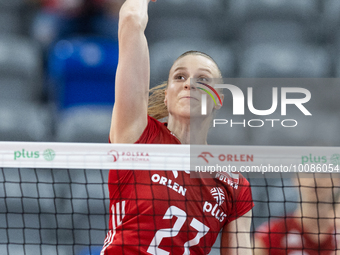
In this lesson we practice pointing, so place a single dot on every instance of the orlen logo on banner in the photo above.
(129, 156)
(228, 157)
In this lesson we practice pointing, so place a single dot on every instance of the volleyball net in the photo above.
(54, 196)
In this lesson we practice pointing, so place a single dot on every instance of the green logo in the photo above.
(49, 154)
(335, 159)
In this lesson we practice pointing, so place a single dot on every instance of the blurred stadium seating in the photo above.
(330, 20)
(240, 15)
(25, 121)
(87, 123)
(302, 10)
(14, 16)
(9, 22)
(273, 31)
(21, 70)
(247, 38)
(182, 19)
(164, 53)
(23, 116)
(284, 60)
(81, 71)
(81, 83)
(182, 27)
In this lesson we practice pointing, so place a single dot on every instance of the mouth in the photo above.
(189, 97)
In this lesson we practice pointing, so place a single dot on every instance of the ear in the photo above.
(165, 97)
(218, 106)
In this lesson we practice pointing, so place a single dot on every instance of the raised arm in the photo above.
(236, 236)
(129, 117)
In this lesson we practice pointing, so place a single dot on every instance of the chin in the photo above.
(191, 112)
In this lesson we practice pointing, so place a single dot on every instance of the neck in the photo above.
(192, 130)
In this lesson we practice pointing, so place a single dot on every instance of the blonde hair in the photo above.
(156, 106)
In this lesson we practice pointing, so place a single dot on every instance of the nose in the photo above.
(189, 84)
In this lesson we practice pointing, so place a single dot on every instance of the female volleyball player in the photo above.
(167, 212)
(310, 229)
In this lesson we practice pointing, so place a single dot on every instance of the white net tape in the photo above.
(170, 157)
(57, 210)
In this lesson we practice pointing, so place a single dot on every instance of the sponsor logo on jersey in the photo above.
(218, 195)
(232, 179)
(169, 183)
(129, 156)
(227, 157)
(214, 211)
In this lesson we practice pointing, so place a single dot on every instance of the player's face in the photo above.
(182, 96)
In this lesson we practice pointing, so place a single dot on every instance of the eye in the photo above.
(203, 79)
(179, 77)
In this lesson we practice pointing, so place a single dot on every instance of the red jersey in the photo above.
(285, 237)
(169, 212)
